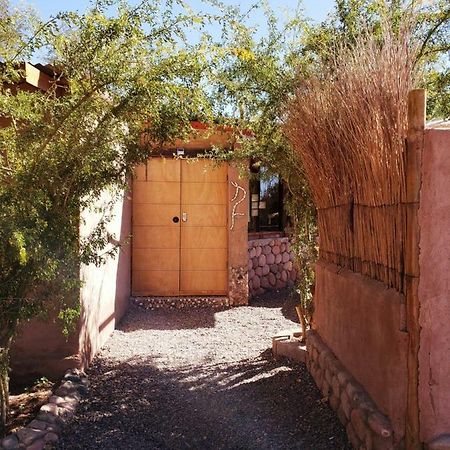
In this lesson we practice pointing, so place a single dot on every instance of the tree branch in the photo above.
(430, 33)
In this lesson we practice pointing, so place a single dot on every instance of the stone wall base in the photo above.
(367, 428)
(180, 302)
(270, 265)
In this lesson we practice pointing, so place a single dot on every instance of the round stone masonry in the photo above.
(270, 265)
(45, 429)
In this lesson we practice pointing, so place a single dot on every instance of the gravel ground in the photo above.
(202, 379)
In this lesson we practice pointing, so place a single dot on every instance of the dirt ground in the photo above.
(202, 379)
(25, 401)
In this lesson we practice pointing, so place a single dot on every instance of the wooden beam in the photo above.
(36, 78)
(414, 149)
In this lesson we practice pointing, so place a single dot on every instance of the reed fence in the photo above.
(349, 127)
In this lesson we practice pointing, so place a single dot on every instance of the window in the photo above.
(266, 212)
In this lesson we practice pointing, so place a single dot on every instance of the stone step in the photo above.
(288, 344)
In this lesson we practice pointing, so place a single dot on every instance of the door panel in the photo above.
(155, 215)
(204, 194)
(156, 237)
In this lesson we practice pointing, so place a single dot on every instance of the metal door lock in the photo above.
(184, 217)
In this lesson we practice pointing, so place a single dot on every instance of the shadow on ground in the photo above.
(284, 299)
(194, 318)
(257, 403)
(170, 319)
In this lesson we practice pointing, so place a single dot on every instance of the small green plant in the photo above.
(38, 384)
(21, 408)
(43, 382)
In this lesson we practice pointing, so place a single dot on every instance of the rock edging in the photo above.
(44, 431)
(367, 428)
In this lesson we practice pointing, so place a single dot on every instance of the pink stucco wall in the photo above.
(40, 347)
(434, 286)
(105, 290)
(360, 321)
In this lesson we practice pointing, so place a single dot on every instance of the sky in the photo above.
(317, 10)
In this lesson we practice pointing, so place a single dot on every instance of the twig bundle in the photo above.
(349, 126)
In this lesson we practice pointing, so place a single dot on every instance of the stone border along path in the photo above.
(202, 379)
(366, 426)
(44, 431)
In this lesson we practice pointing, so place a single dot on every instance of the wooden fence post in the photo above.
(414, 148)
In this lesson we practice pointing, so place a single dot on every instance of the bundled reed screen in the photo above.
(348, 126)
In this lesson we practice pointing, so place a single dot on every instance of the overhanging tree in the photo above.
(113, 72)
(261, 69)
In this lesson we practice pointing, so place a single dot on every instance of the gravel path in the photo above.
(202, 379)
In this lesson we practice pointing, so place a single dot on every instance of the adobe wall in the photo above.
(359, 320)
(270, 265)
(105, 291)
(237, 237)
(434, 286)
(40, 347)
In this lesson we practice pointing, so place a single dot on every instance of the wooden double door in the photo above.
(180, 230)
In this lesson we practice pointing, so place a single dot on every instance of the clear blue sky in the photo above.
(315, 9)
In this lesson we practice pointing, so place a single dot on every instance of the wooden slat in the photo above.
(415, 142)
(203, 259)
(156, 259)
(156, 237)
(157, 192)
(197, 283)
(203, 171)
(163, 169)
(204, 193)
(162, 215)
(204, 237)
(155, 282)
(201, 215)
(37, 78)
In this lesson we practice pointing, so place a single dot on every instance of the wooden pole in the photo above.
(414, 148)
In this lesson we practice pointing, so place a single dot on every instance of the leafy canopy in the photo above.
(113, 74)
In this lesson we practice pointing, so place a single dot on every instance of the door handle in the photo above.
(184, 217)
(175, 219)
